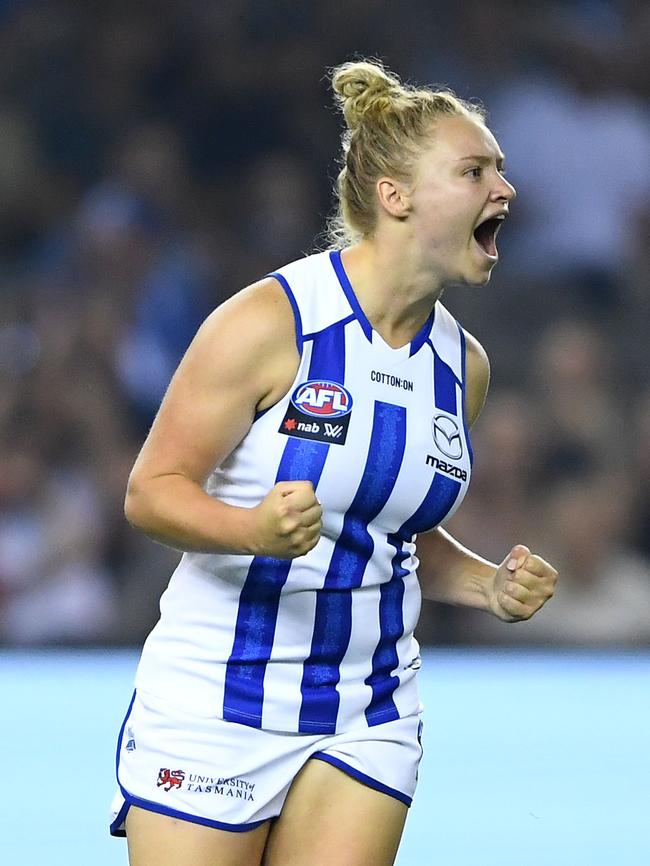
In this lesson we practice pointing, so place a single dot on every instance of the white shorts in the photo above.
(226, 775)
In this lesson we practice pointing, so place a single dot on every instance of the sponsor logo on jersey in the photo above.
(318, 410)
(389, 379)
(170, 778)
(322, 399)
(447, 468)
(446, 435)
(130, 741)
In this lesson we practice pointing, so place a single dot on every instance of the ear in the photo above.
(394, 197)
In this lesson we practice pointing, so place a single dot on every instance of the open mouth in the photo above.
(485, 235)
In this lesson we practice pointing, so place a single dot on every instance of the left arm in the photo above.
(449, 572)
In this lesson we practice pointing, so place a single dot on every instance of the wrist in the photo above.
(247, 532)
(479, 589)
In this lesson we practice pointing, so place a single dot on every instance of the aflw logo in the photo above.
(333, 430)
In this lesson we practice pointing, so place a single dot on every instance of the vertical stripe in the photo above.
(436, 504)
(259, 601)
(444, 385)
(463, 384)
(352, 552)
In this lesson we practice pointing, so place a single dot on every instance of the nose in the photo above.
(504, 190)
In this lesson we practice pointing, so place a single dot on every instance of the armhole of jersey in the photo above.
(294, 306)
(463, 385)
(297, 321)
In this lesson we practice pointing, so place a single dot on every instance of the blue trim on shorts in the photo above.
(150, 806)
(115, 829)
(120, 736)
(362, 777)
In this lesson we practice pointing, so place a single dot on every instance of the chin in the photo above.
(475, 280)
(484, 279)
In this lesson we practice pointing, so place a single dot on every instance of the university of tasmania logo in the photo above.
(170, 778)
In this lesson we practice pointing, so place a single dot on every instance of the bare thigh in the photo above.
(331, 819)
(159, 840)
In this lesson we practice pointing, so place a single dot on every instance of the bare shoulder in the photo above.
(259, 315)
(242, 360)
(256, 329)
(477, 377)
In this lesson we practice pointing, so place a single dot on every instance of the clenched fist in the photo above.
(522, 584)
(287, 522)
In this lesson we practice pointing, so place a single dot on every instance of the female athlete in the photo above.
(317, 424)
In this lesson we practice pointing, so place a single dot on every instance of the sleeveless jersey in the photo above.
(324, 643)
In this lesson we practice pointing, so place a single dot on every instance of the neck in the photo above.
(394, 290)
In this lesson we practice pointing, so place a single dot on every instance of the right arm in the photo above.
(242, 360)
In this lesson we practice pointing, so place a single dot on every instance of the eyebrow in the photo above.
(482, 159)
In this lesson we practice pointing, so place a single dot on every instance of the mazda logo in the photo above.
(446, 435)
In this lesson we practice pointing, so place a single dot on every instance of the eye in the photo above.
(475, 173)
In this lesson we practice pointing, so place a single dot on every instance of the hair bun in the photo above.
(364, 87)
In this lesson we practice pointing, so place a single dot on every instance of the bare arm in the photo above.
(513, 590)
(221, 382)
(450, 572)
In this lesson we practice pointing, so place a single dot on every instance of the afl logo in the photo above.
(322, 399)
(446, 435)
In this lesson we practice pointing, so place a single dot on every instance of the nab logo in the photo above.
(170, 778)
(322, 399)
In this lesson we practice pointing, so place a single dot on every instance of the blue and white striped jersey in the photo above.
(324, 643)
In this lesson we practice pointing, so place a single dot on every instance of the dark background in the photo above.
(156, 157)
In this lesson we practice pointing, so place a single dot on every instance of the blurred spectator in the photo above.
(603, 596)
(53, 584)
(502, 502)
(576, 374)
(639, 469)
(578, 150)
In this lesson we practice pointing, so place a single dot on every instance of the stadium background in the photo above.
(154, 158)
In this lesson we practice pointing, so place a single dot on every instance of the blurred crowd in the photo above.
(154, 158)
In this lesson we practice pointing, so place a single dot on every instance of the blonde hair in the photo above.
(388, 125)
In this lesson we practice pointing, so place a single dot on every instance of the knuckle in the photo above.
(287, 527)
(283, 509)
